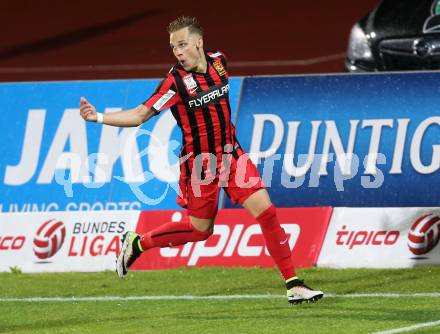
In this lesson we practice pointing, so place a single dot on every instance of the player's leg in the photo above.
(166, 235)
(259, 205)
(261, 208)
(246, 187)
(202, 209)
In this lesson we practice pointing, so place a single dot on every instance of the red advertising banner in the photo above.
(237, 240)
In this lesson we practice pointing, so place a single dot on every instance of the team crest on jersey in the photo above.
(219, 67)
(190, 83)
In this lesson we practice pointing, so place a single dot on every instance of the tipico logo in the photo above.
(49, 239)
(424, 234)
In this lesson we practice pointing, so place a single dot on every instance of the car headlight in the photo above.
(358, 45)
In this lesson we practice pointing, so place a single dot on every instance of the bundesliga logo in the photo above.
(424, 234)
(49, 239)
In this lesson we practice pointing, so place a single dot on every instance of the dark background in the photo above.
(97, 39)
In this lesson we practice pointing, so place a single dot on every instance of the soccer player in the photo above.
(196, 91)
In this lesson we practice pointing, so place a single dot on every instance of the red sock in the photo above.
(274, 236)
(172, 234)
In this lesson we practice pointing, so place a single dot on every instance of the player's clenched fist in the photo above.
(87, 110)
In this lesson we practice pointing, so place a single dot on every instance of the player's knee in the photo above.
(203, 235)
(268, 217)
(202, 225)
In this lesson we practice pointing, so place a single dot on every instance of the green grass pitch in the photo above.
(343, 310)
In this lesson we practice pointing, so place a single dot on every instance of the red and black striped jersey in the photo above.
(200, 104)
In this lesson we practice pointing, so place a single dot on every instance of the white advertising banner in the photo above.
(381, 238)
(63, 241)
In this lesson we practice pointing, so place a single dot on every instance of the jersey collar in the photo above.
(208, 63)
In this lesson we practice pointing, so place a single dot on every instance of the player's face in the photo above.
(186, 48)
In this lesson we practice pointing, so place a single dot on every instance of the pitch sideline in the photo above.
(410, 328)
(218, 297)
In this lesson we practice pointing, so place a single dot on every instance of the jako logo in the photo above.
(424, 234)
(49, 239)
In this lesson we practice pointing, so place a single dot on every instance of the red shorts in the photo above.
(239, 181)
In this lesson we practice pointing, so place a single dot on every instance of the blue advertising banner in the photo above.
(368, 140)
(51, 159)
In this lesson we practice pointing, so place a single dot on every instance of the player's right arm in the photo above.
(164, 97)
(125, 118)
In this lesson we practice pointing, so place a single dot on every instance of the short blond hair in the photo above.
(183, 22)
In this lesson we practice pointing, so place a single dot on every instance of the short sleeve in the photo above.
(164, 97)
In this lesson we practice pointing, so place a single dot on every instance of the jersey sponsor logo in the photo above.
(209, 96)
(164, 99)
(219, 67)
(190, 83)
